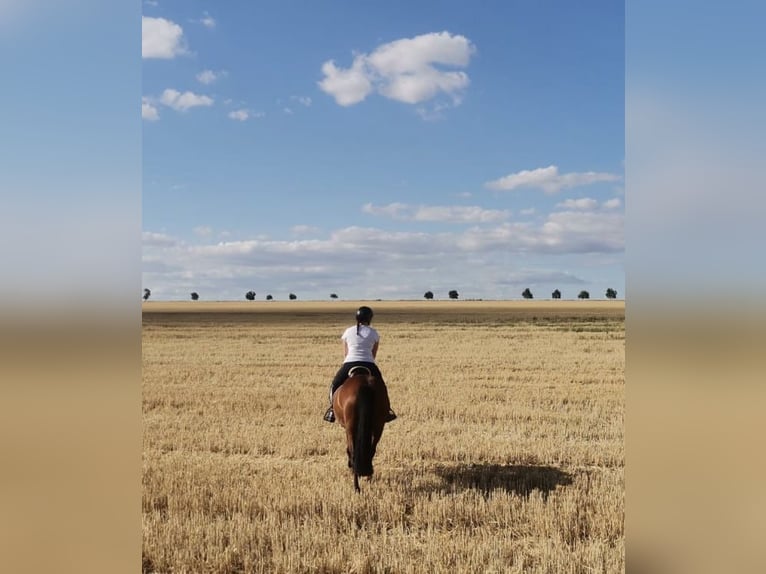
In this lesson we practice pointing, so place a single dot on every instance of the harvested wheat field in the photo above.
(507, 456)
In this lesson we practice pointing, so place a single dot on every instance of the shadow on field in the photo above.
(519, 479)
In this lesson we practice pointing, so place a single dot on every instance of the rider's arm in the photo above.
(345, 349)
(375, 350)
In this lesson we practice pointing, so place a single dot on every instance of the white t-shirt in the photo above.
(360, 346)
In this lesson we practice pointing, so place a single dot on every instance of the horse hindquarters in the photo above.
(363, 433)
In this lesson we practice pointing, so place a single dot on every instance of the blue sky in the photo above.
(382, 150)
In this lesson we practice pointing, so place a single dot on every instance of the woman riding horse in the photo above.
(360, 347)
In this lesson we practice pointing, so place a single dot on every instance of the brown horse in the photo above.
(360, 405)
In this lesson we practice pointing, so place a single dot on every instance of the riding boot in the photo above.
(329, 415)
(391, 415)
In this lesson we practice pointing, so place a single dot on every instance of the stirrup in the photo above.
(390, 416)
(329, 416)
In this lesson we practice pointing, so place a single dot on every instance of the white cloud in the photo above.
(589, 204)
(208, 21)
(532, 277)
(161, 38)
(528, 211)
(404, 70)
(483, 259)
(548, 179)
(406, 263)
(203, 231)
(568, 232)
(584, 203)
(348, 87)
(560, 233)
(583, 232)
(244, 114)
(184, 101)
(148, 110)
(157, 239)
(209, 76)
(434, 112)
(240, 115)
(303, 100)
(416, 87)
(303, 229)
(448, 214)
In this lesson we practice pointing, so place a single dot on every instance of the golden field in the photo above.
(507, 456)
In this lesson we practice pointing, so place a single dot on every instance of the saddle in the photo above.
(358, 370)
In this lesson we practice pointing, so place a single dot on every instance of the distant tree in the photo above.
(429, 295)
(333, 296)
(194, 295)
(293, 296)
(250, 295)
(269, 298)
(611, 293)
(556, 294)
(583, 295)
(453, 294)
(147, 294)
(527, 294)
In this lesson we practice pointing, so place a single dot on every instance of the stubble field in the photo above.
(507, 456)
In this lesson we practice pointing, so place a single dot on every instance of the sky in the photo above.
(382, 150)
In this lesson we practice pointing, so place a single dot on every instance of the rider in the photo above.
(360, 347)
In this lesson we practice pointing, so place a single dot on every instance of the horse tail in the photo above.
(365, 409)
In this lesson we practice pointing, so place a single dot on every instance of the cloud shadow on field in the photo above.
(519, 479)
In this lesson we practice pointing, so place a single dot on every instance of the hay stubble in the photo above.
(508, 455)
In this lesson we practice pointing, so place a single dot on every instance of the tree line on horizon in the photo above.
(527, 294)
(428, 295)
